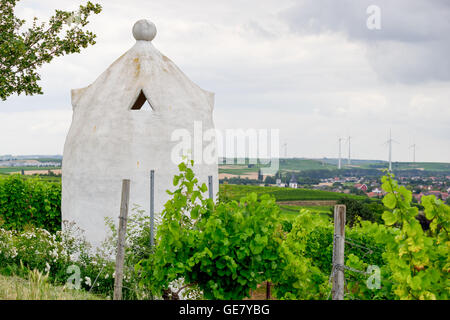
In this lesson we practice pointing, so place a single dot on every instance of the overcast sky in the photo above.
(312, 69)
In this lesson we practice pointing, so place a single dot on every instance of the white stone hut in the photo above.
(112, 137)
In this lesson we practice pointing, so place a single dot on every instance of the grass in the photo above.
(429, 166)
(290, 212)
(37, 287)
(304, 164)
(238, 171)
(235, 192)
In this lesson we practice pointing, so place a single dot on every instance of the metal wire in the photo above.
(342, 267)
(96, 278)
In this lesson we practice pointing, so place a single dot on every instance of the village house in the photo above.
(360, 186)
(293, 182)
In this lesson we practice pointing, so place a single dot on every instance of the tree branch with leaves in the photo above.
(23, 51)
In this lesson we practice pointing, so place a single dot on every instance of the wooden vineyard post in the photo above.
(338, 252)
(268, 290)
(121, 239)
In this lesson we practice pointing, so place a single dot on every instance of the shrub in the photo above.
(224, 249)
(58, 255)
(30, 201)
(365, 209)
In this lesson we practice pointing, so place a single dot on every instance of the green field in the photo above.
(239, 170)
(427, 166)
(43, 177)
(297, 164)
(290, 212)
(305, 164)
(235, 192)
(377, 164)
(18, 169)
(284, 165)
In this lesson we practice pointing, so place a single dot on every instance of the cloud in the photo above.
(411, 47)
(34, 132)
(309, 68)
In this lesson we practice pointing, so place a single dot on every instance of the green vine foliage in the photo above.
(417, 260)
(30, 201)
(22, 52)
(226, 249)
(223, 249)
(300, 277)
(309, 247)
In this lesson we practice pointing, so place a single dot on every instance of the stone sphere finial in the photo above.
(144, 30)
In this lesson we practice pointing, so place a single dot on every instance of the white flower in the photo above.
(107, 276)
(54, 253)
(14, 253)
(47, 268)
(87, 281)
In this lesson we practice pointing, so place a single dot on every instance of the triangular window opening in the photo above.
(142, 103)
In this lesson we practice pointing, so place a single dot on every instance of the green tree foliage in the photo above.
(270, 180)
(239, 180)
(260, 175)
(22, 52)
(361, 209)
(30, 201)
(224, 249)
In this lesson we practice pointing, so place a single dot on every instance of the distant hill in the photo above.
(381, 164)
(235, 192)
(29, 157)
(303, 164)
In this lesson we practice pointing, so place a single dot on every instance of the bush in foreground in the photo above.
(29, 201)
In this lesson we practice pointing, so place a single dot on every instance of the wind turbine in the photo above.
(413, 146)
(340, 162)
(389, 142)
(349, 144)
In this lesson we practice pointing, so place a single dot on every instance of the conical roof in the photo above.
(143, 69)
